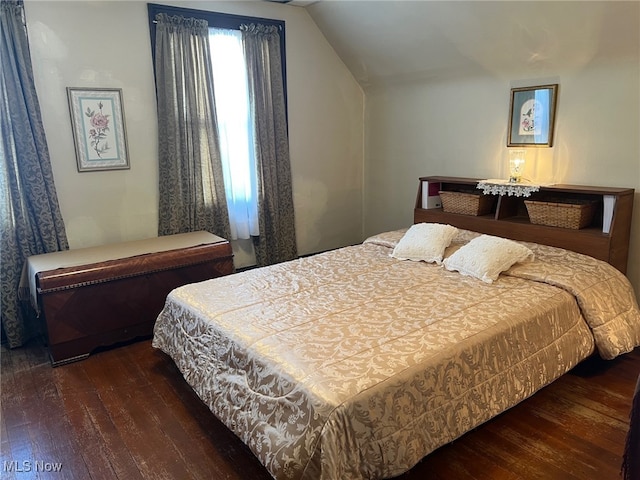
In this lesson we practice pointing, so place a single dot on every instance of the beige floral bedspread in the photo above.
(351, 364)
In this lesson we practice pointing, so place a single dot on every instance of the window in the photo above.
(235, 131)
(233, 111)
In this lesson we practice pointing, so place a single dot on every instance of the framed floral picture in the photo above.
(532, 113)
(97, 121)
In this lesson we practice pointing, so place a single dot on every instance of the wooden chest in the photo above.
(101, 296)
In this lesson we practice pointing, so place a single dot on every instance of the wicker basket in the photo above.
(466, 203)
(565, 215)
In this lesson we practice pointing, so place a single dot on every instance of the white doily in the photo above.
(505, 187)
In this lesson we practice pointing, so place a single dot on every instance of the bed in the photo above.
(355, 364)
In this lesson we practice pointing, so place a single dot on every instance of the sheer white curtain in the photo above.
(235, 129)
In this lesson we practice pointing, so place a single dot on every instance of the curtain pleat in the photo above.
(30, 216)
(191, 186)
(277, 240)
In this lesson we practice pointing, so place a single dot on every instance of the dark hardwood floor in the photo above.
(126, 413)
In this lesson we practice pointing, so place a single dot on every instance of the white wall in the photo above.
(458, 127)
(107, 44)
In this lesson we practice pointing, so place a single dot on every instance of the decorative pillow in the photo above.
(486, 256)
(424, 242)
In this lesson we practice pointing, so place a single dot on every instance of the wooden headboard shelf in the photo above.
(509, 217)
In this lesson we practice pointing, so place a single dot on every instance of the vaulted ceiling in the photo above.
(397, 41)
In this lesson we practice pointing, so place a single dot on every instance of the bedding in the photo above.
(352, 364)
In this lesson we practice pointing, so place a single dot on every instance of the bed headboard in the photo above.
(606, 235)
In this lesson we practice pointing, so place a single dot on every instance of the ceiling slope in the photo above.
(384, 42)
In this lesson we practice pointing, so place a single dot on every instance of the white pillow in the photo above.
(425, 242)
(485, 257)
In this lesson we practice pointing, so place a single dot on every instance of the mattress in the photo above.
(351, 364)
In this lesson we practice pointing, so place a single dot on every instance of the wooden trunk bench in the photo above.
(100, 296)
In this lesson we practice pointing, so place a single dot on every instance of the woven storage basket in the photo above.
(565, 215)
(466, 203)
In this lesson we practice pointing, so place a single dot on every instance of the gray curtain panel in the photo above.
(191, 183)
(277, 240)
(29, 212)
